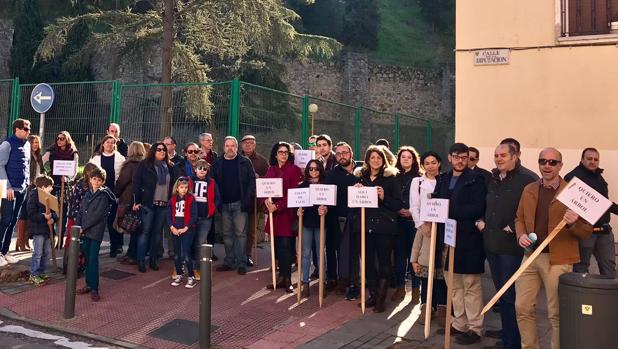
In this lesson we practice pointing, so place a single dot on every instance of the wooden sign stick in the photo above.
(299, 254)
(525, 265)
(449, 298)
(60, 209)
(321, 288)
(272, 246)
(51, 240)
(432, 266)
(255, 225)
(363, 260)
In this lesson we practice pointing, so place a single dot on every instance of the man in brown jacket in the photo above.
(540, 212)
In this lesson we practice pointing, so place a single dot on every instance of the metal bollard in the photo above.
(69, 293)
(205, 295)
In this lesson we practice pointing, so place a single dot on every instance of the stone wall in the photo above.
(6, 41)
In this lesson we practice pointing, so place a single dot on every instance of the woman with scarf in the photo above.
(152, 185)
(63, 149)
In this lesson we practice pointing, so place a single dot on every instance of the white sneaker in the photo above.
(191, 282)
(10, 259)
(177, 280)
(3, 261)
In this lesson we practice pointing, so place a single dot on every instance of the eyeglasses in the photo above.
(161, 149)
(549, 162)
(283, 152)
(61, 138)
(201, 168)
(193, 151)
(313, 169)
(27, 129)
(342, 153)
(459, 157)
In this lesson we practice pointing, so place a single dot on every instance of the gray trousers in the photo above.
(604, 250)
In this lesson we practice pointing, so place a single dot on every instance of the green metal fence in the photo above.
(223, 108)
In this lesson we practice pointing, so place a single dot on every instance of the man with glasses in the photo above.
(466, 191)
(170, 143)
(15, 169)
(260, 166)
(236, 179)
(186, 165)
(601, 243)
(473, 160)
(121, 145)
(206, 143)
(348, 263)
(540, 212)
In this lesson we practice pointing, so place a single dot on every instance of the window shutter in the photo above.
(589, 17)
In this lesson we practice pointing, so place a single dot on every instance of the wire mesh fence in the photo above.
(335, 119)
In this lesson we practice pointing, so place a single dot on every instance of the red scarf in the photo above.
(187, 214)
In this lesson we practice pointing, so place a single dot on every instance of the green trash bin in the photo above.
(588, 311)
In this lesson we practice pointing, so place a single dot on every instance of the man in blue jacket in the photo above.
(15, 169)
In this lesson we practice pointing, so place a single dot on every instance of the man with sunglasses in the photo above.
(540, 213)
(185, 167)
(473, 160)
(601, 242)
(15, 169)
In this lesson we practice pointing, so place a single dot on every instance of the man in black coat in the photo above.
(601, 243)
(466, 192)
(114, 130)
(473, 159)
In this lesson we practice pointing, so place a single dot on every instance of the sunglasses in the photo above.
(27, 129)
(161, 149)
(314, 169)
(549, 162)
(193, 151)
(61, 138)
(312, 144)
(201, 168)
(472, 159)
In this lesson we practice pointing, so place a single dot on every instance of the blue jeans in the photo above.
(9, 212)
(41, 251)
(183, 253)
(91, 248)
(311, 237)
(234, 234)
(150, 239)
(200, 237)
(402, 250)
(502, 267)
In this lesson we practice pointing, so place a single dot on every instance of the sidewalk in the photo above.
(244, 313)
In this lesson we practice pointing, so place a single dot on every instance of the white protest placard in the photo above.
(299, 197)
(302, 157)
(450, 232)
(583, 200)
(363, 197)
(434, 210)
(323, 194)
(65, 168)
(3, 188)
(269, 187)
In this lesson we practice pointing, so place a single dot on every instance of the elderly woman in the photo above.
(108, 158)
(382, 226)
(282, 166)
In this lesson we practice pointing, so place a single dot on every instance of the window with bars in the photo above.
(588, 17)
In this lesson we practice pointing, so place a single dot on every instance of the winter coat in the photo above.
(124, 185)
(145, 183)
(37, 224)
(15, 163)
(466, 206)
(203, 191)
(95, 208)
(343, 179)
(421, 187)
(246, 175)
(597, 182)
(284, 217)
(118, 161)
(77, 195)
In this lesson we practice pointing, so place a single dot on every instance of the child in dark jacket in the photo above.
(181, 219)
(94, 209)
(206, 193)
(38, 229)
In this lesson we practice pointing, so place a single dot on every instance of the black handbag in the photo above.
(129, 220)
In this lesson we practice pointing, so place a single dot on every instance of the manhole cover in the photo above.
(179, 331)
(116, 274)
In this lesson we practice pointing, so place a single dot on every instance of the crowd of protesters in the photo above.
(176, 197)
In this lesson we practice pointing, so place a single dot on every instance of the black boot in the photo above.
(141, 266)
(153, 264)
(381, 296)
(371, 301)
(280, 284)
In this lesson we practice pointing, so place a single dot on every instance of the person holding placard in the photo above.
(111, 161)
(540, 212)
(421, 188)
(314, 174)
(282, 166)
(498, 228)
(381, 223)
(39, 223)
(15, 169)
(601, 242)
(407, 163)
(236, 179)
(466, 191)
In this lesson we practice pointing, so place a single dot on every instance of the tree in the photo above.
(360, 24)
(26, 38)
(188, 30)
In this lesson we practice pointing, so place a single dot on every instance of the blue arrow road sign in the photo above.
(42, 98)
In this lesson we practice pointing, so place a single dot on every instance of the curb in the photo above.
(4, 312)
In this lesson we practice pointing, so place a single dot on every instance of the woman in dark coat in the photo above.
(152, 186)
(381, 223)
(282, 166)
(124, 191)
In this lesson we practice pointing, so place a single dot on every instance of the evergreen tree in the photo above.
(360, 24)
(27, 36)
